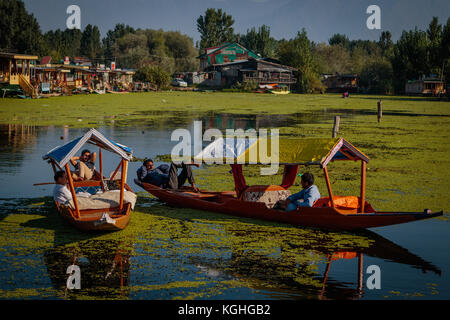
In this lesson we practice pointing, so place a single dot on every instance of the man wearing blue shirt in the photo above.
(306, 197)
(166, 177)
(157, 176)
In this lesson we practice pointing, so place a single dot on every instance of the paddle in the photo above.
(43, 183)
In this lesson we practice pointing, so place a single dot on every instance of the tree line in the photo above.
(382, 66)
(129, 47)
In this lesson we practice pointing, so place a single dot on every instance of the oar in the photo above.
(43, 183)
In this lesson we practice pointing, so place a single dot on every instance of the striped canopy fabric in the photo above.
(62, 154)
(305, 151)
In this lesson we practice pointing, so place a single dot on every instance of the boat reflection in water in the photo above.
(287, 270)
(104, 268)
(292, 273)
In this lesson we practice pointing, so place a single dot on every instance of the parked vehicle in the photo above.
(178, 83)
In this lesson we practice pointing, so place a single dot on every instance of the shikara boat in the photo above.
(109, 208)
(332, 212)
(280, 89)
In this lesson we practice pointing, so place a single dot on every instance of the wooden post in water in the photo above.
(337, 120)
(380, 111)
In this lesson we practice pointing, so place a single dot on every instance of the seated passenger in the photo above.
(85, 167)
(304, 198)
(166, 177)
(60, 193)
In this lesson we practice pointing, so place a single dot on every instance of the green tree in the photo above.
(411, 58)
(332, 59)
(259, 41)
(339, 39)
(90, 42)
(59, 44)
(155, 75)
(386, 44)
(132, 50)
(170, 50)
(181, 48)
(361, 57)
(109, 42)
(297, 53)
(19, 30)
(376, 77)
(434, 34)
(445, 47)
(215, 28)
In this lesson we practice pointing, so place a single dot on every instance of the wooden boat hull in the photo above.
(91, 220)
(279, 92)
(321, 217)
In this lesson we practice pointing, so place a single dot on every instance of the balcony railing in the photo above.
(271, 79)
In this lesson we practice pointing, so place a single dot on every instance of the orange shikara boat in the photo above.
(332, 212)
(112, 200)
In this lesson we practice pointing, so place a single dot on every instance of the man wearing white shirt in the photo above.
(60, 193)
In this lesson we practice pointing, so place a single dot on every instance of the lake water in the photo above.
(190, 254)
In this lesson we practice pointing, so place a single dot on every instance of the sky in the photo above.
(320, 18)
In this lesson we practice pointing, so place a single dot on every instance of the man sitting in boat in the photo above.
(166, 177)
(156, 176)
(85, 167)
(304, 198)
(60, 193)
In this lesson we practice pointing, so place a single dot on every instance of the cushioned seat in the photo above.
(269, 195)
(347, 203)
(106, 200)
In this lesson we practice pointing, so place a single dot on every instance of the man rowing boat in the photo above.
(166, 177)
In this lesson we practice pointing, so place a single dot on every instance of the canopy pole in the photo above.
(360, 273)
(115, 172)
(325, 276)
(123, 181)
(363, 185)
(100, 159)
(101, 162)
(327, 180)
(72, 190)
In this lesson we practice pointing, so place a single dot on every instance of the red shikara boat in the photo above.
(258, 202)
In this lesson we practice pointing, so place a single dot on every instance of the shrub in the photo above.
(154, 75)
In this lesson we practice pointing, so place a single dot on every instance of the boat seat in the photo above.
(350, 204)
(269, 195)
(105, 200)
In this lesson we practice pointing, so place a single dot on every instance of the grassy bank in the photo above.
(94, 110)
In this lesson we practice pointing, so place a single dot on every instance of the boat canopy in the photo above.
(296, 151)
(62, 154)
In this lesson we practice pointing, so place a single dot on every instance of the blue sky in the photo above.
(320, 18)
